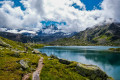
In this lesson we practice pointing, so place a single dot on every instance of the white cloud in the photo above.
(3, 29)
(15, 18)
(56, 10)
(19, 32)
(111, 9)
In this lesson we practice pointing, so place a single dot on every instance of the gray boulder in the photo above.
(92, 72)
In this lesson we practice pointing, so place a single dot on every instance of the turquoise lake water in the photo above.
(96, 55)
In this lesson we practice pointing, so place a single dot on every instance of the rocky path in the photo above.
(36, 73)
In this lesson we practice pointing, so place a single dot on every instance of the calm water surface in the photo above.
(96, 55)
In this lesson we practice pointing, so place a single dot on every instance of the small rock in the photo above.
(21, 69)
(36, 52)
(44, 54)
(53, 56)
(49, 58)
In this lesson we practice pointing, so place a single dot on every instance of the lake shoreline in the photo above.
(78, 55)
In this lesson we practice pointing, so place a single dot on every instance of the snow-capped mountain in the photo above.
(46, 34)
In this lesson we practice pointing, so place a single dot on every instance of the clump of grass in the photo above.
(114, 49)
(34, 45)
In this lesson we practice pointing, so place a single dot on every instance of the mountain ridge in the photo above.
(107, 34)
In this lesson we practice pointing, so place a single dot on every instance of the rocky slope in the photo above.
(101, 34)
(108, 34)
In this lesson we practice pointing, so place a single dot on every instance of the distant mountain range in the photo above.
(107, 34)
(40, 36)
(16, 37)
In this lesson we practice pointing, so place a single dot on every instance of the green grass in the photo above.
(103, 37)
(114, 49)
(70, 42)
(34, 45)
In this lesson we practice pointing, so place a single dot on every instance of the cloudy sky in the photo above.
(68, 15)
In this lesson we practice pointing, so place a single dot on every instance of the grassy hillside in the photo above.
(70, 41)
(11, 53)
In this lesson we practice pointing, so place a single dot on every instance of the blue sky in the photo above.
(17, 3)
(48, 23)
(90, 4)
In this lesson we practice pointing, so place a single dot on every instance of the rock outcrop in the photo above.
(53, 56)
